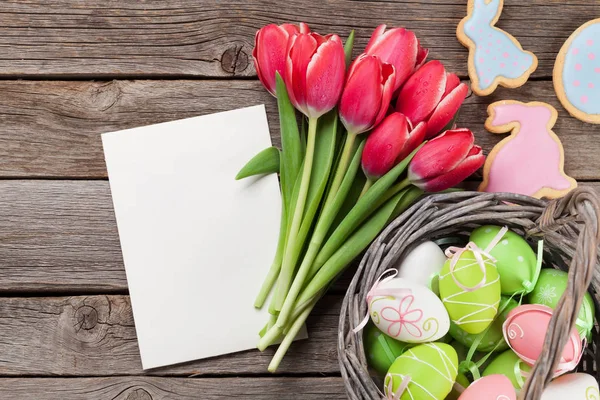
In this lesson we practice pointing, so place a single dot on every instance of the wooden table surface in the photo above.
(71, 70)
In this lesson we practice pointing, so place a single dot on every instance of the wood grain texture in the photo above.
(214, 38)
(61, 237)
(95, 336)
(52, 129)
(142, 388)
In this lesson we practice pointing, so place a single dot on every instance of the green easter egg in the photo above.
(509, 364)
(471, 310)
(515, 260)
(549, 289)
(494, 337)
(463, 382)
(381, 350)
(432, 368)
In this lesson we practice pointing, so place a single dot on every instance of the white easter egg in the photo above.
(572, 386)
(408, 312)
(422, 264)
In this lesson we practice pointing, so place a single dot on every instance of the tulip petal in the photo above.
(375, 37)
(325, 77)
(415, 138)
(361, 100)
(422, 54)
(452, 82)
(384, 145)
(441, 155)
(301, 49)
(422, 92)
(269, 54)
(388, 75)
(446, 110)
(463, 170)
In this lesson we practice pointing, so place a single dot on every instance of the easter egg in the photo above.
(510, 365)
(525, 330)
(432, 368)
(549, 289)
(422, 264)
(493, 340)
(491, 387)
(572, 386)
(381, 350)
(515, 260)
(417, 316)
(462, 382)
(471, 308)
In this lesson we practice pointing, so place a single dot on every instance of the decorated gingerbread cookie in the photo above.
(531, 160)
(577, 73)
(495, 57)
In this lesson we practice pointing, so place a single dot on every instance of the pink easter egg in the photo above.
(525, 330)
(491, 387)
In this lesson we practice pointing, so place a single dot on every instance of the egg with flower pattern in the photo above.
(408, 312)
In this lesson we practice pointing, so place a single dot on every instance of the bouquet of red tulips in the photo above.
(332, 210)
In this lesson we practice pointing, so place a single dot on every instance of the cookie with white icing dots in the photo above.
(495, 56)
(531, 160)
(577, 73)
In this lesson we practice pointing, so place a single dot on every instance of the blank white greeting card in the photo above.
(196, 243)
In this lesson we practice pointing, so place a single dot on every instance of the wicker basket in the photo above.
(571, 234)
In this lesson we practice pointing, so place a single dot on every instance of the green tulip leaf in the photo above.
(348, 46)
(265, 162)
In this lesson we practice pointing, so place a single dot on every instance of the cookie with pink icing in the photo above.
(531, 160)
(495, 56)
(577, 73)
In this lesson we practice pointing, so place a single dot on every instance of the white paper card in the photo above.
(196, 243)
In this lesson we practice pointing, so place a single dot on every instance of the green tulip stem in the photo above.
(367, 186)
(287, 268)
(289, 337)
(325, 220)
(391, 192)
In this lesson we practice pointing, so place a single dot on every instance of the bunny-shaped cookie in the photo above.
(530, 161)
(495, 57)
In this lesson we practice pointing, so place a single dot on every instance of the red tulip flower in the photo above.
(389, 143)
(367, 93)
(445, 161)
(270, 49)
(398, 47)
(315, 71)
(433, 96)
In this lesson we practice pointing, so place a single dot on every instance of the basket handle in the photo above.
(582, 206)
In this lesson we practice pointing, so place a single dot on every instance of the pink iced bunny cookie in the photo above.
(531, 160)
(495, 57)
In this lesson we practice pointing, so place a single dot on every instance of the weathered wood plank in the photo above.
(214, 38)
(141, 388)
(61, 237)
(95, 336)
(52, 129)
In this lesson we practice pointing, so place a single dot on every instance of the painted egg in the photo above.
(381, 350)
(515, 260)
(525, 331)
(549, 289)
(491, 387)
(510, 365)
(462, 382)
(432, 368)
(422, 264)
(471, 308)
(416, 317)
(572, 386)
(493, 340)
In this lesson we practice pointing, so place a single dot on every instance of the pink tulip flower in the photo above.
(389, 143)
(399, 47)
(315, 72)
(433, 96)
(270, 49)
(445, 161)
(367, 93)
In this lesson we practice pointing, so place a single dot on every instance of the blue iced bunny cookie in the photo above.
(495, 56)
(577, 73)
